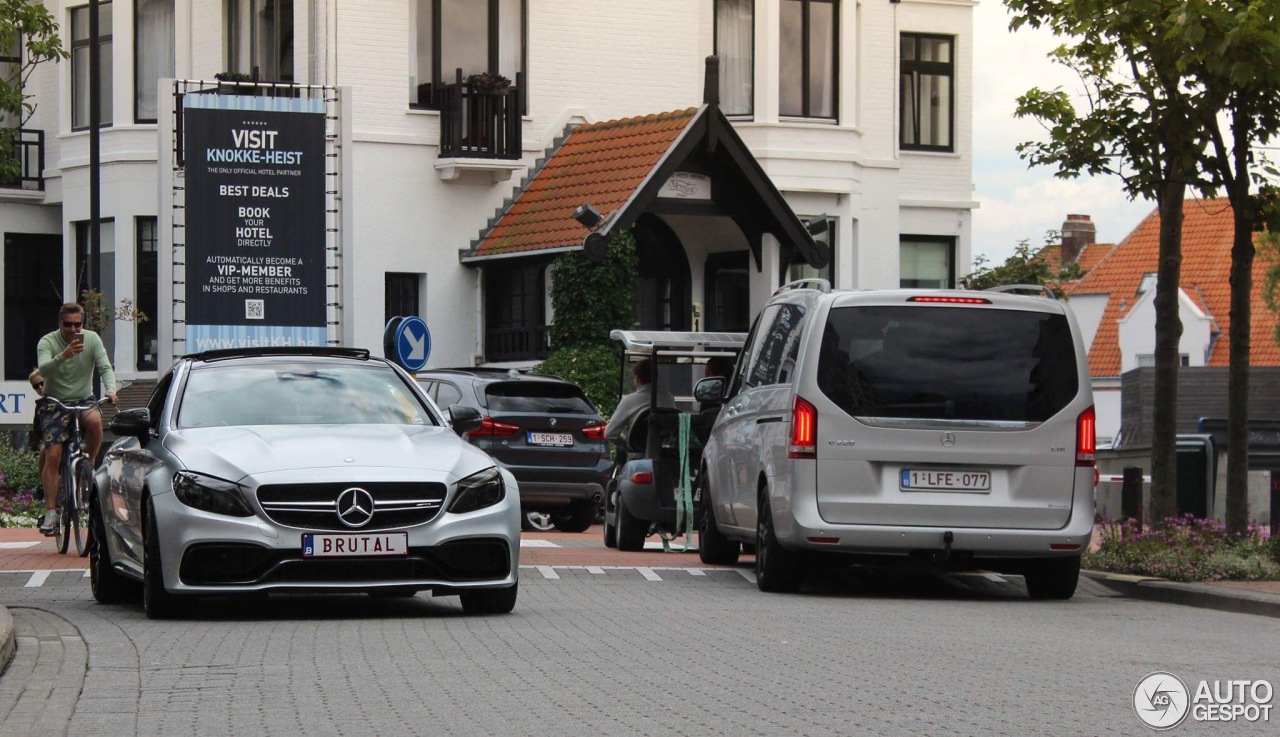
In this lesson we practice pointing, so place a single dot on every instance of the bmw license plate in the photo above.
(945, 480)
(554, 439)
(355, 546)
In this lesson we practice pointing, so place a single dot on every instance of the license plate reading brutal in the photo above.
(339, 546)
(942, 480)
(557, 439)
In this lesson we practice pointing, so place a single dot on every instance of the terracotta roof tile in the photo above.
(600, 163)
(1206, 264)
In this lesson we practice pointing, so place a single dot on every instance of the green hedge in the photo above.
(594, 368)
(19, 469)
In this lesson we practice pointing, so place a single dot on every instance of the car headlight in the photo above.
(479, 490)
(210, 494)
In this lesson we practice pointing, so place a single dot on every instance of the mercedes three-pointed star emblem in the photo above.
(355, 507)
(948, 439)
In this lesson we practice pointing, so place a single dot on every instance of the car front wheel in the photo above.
(490, 601)
(108, 587)
(156, 601)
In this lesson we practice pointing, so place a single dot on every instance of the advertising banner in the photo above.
(255, 221)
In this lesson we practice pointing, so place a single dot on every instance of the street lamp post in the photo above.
(95, 152)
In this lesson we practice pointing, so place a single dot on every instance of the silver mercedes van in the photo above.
(944, 429)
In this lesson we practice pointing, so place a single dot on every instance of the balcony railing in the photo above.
(479, 124)
(28, 151)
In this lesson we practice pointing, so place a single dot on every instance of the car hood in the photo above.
(235, 452)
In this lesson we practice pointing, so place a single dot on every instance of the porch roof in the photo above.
(619, 166)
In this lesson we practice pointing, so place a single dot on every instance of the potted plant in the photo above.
(232, 80)
(488, 82)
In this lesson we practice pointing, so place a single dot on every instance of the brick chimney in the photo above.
(1077, 232)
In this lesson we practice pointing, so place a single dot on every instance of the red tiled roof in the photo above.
(1206, 265)
(601, 163)
(1089, 257)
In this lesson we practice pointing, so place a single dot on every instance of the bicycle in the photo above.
(75, 477)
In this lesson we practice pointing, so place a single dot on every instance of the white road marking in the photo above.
(697, 572)
(993, 577)
(749, 575)
(18, 546)
(37, 579)
(597, 570)
(86, 573)
(548, 572)
(648, 574)
(537, 543)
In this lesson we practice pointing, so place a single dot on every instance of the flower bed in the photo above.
(1186, 548)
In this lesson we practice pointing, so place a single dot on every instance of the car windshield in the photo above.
(948, 363)
(537, 396)
(298, 394)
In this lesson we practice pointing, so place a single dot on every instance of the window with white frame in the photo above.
(152, 55)
(473, 36)
(735, 47)
(927, 94)
(927, 262)
(81, 44)
(260, 39)
(808, 58)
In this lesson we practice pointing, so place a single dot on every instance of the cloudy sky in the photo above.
(1018, 202)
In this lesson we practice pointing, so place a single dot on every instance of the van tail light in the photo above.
(594, 431)
(1087, 439)
(804, 430)
(489, 426)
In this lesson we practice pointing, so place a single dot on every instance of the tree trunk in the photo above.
(1242, 251)
(1164, 454)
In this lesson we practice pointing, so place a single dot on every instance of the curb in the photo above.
(8, 645)
(1189, 594)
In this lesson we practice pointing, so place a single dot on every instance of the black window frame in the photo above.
(516, 311)
(146, 286)
(438, 76)
(401, 289)
(106, 44)
(805, 44)
(232, 40)
(715, 45)
(137, 52)
(915, 68)
(950, 241)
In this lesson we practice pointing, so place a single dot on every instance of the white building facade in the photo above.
(859, 111)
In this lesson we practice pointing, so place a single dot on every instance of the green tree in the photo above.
(1142, 124)
(1230, 52)
(1023, 267)
(590, 300)
(29, 28)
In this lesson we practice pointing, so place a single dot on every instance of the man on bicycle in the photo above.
(67, 358)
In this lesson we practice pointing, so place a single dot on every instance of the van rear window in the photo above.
(948, 363)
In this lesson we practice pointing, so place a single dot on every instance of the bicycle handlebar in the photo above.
(83, 405)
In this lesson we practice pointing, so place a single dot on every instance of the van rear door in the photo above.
(948, 415)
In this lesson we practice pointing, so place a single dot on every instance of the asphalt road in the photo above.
(667, 648)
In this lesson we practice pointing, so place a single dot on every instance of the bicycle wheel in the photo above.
(61, 533)
(79, 506)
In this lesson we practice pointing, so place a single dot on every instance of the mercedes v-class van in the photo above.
(944, 429)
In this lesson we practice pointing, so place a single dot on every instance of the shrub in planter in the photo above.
(1185, 549)
(21, 501)
(488, 82)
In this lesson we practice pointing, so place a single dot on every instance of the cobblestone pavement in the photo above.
(669, 647)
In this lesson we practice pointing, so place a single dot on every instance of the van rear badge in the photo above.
(948, 439)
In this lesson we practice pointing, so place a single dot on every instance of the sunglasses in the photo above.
(69, 324)
(39, 385)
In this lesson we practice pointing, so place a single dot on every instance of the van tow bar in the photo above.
(947, 538)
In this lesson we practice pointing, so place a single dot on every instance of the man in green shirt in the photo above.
(67, 358)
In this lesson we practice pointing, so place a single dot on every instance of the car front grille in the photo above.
(315, 506)
(242, 564)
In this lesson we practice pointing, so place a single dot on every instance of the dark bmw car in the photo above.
(543, 430)
(299, 470)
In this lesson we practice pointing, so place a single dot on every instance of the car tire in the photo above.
(579, 518)
(631, 530)
(156, 601)
(107, 586)
(1053, 578)
(536, 522)
(490, 601)
(777, 569)
(713, 547)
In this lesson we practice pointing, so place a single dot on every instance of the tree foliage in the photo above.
(30, 27)
(590, 300)
(1023, 267)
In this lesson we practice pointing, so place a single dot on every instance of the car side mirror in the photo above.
(133, 423)
(464, 419)
(710, 389)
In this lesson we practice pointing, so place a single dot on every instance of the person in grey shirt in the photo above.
(68, 357)
(630, 405)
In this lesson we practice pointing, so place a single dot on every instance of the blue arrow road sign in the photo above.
(413, 343)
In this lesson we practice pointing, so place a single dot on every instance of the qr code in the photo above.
(255, 309)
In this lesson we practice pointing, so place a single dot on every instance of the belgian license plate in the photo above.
(945, 480)
(355, 546)
(556, 439)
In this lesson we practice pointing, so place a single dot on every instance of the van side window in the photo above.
(775, 359)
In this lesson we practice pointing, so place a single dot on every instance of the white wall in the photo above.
(1137, 333)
